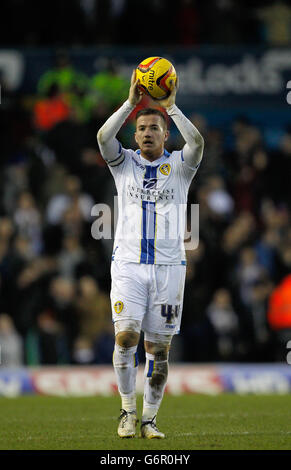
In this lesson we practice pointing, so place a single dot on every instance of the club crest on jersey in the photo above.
(118, 306)
(165, 169)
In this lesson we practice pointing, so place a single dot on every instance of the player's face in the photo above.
(151, 135)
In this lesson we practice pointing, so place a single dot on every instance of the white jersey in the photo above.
(152, 198)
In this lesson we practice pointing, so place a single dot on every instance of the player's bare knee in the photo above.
(127, 339)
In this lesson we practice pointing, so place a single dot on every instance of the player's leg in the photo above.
(125, 364)
(128, 298)
(161, 321)
(155, 379)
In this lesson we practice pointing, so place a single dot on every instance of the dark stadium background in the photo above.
(64, 68)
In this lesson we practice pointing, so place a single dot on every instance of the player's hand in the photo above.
(168, 102)
(135, 93)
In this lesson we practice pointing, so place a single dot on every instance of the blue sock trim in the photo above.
(151, 368)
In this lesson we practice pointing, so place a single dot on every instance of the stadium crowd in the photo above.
(79, 22)
(55, 277)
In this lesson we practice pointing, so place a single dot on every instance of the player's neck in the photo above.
(151, 157)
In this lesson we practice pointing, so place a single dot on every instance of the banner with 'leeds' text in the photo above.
(209, 76)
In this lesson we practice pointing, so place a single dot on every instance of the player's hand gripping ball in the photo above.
(157, 77)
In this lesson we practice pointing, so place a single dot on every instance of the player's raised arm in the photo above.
(193, 149)
(106, 136)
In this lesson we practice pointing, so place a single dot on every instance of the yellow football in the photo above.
(157, 77)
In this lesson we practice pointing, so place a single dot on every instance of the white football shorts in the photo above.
(150, 293)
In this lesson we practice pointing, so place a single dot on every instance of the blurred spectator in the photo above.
(66, 89)
(72, 222)
(57, 323)
(83, 351)
(11, 343)
(7, 95)
(200, 279)
(50, 109)
(275, 218)
(16, 180)
(11, 112)
(31, 284)
(6, 229)
(218, 199)
(68, 139)
(261, 181)
(249, 271)
(279, 316)
(281, 170)
(71, 197)
(246, 139)
(276, 23)
(251, 181)
(63, 76)
(109, 86)
(224, 324)
(240, 231)
(259, 338)
(27, 220)
(94, 312)
(70, 257)
(285, 143)
(266, 250)
(284, 259)
(54, 182)
(213, 151)
(22, 248)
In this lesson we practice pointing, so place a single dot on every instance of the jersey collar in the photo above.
(165, 154)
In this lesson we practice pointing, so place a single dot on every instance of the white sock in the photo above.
(125, 364)
(155, 379)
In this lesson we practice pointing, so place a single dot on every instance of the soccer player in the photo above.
(148, 266)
